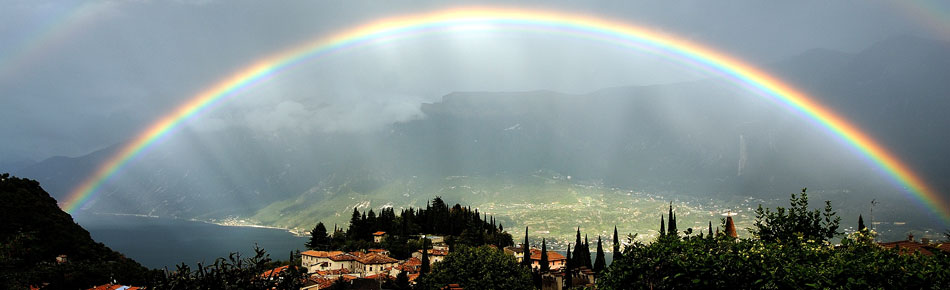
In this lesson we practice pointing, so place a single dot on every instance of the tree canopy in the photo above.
(475, 268)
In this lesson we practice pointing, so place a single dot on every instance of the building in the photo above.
(315, 261)
(378, 237)
(910, 246)
(373, 264)
(383, 252)
(435, 255)
(553, 280)
(518, 252)
(555, 259)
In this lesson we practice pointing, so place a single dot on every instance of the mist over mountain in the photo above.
(699, 138)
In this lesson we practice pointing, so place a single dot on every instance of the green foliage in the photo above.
(460, 225)
(477, 268)
(319, 240)
(721, 263)
(600, 263)
(235, 273)
(796, 222)
(788, 250)
(617, 253)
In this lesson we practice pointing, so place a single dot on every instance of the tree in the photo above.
(544, 257)
(795, 222)
(617, 253)
(424, 269)
(319, 240)
(600, 262)
(402, 281)
(662, 226)
(476, 268)
(568, 268)
(861, 227)
(671, 228)
(525, 250)
(586, 252)
(577, 249)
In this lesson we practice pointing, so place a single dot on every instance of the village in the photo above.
(371, 268)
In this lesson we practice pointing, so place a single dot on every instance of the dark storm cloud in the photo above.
(101, 76)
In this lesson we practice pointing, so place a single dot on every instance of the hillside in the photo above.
(34, 232)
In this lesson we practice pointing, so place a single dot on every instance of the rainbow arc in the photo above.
(574, 25)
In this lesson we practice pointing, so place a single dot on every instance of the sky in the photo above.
(78, 76)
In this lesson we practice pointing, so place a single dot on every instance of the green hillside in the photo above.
(550, 205)
(34, 232)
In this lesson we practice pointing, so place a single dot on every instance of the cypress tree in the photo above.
(861, 227)
(544, 257)
(568, 267)
(710, 229)
(577, 250)
(526, 250)
(586, 253)
(617, 253)
(662, 226)
(671, 227)
(600, 262)
(424, 269)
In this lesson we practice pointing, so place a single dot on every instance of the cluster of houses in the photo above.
(326, 267)
(556, 278)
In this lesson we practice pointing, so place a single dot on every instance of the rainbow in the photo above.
(625, 34)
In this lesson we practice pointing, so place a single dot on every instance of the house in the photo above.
(383, 252)
(435, 255)
(553, 280)
(317, 260)
(378, 237)
(555, 259)
(452, 287)
(373, 264)
(910, 246)
(518, 252)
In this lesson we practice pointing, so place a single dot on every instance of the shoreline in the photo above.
(229, 222)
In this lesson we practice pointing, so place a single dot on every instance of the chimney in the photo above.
(731, 228)
(910, 237)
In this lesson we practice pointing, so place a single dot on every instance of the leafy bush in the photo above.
(477, 268)
(789, 250)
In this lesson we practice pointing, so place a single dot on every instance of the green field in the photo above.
(551, 205)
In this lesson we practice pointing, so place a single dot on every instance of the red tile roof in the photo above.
(379, 233)
(552, 256)
(908, 247)
(273, 272)
(344, 257)
(374, 258)
(321, 254)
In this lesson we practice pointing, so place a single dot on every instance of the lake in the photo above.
(165, 242)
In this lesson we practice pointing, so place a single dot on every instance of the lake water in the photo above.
(161, 242)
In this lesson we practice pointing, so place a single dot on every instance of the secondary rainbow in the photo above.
(501, 18)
